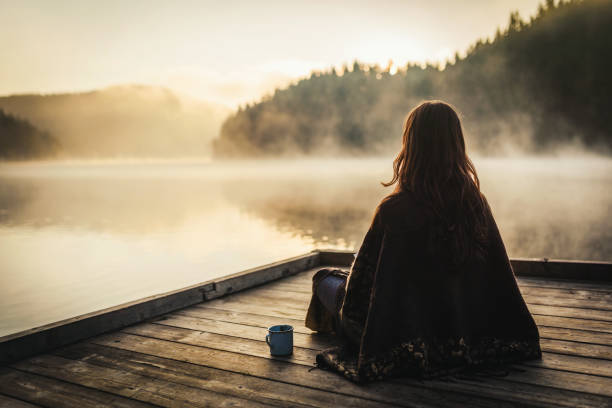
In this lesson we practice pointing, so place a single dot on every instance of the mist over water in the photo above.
(79, 236)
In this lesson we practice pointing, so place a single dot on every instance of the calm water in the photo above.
(78, 237)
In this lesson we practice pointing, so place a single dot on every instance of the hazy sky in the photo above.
(226, 51)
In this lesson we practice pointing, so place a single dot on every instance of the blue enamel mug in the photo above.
(280, 340)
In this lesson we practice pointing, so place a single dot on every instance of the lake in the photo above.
(80, 236)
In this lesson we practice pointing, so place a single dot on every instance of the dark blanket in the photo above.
(406, 312)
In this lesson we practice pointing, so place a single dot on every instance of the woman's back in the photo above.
(477, 298)
(431, 289)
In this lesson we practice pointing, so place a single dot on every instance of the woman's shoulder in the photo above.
(401, 209)
(397, 201)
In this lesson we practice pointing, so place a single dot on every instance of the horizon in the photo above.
(171, 47)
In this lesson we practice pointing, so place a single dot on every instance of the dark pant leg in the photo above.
(330, 292)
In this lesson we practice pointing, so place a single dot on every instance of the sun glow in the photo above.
(227, 54)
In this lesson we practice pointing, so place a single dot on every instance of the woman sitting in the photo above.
(431, 290)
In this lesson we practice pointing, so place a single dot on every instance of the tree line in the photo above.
(537, 84)
(19, 139)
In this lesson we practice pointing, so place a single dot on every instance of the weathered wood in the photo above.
(581, 336)
(271, 311)
(596, 326)
(568, 302)
(240, 330)
(569, 391)
(522, 393)
(280, 308)
(127, 384)
(414, 394)
(583, 294)
(564, 284)
(604, 316)
(245, 318)
(336, 257)
(53, 393)
(573, 348)
(575, 364)
(8, 402)
(262, 390)
(37, 340)
(302, 356)
(260, 275)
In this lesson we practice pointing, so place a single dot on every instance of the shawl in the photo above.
(406, 313)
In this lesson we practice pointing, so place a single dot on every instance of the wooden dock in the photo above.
(205, 346)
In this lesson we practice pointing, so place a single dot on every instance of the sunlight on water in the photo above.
(77, 237)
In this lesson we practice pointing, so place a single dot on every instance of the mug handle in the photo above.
(268, 340)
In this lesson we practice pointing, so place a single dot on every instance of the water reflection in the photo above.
(78, 237)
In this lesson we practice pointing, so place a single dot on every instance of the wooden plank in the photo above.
(127, 384)
(8, 402)
(301, 356)
(430, 392)
(37, 340)
(576, 349)
(575, 364)
(605, 328)
(581, 336)
(284, 307)
(250, 319)
(531, 391)
(239, 330)
(260, 275)
(567, 293)
(336, 257)
(262, 390)
(53, 393)
(300, 375)
(571, 312)
(299, 288)
(564, 284)
(568, 302)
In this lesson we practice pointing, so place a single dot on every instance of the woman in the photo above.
(431, 290)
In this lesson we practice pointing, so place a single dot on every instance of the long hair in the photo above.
(433, 164)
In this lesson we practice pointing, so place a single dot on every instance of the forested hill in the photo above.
(122, 121)
(19, 139)
(537, 84)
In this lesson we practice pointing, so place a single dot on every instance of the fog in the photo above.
(79, 236)
(131, 121)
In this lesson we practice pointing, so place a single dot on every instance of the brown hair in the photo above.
(433, 164)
